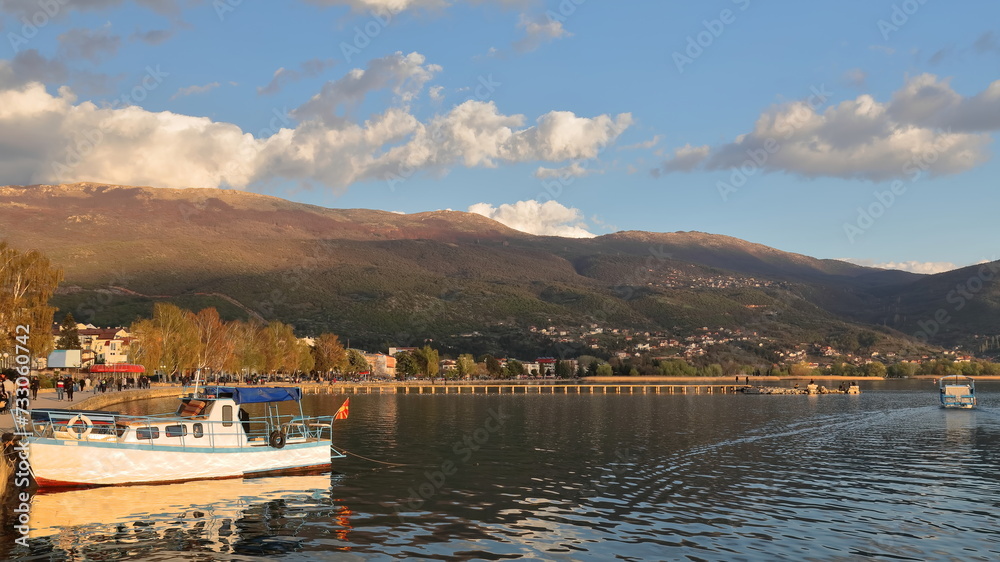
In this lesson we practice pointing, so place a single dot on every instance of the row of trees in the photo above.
(179, 341)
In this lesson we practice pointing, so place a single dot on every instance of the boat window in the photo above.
(147, 433)
(227, 416)
(198, 430)
(176, 430)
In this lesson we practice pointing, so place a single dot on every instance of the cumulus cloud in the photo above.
(284, 76)
(545, 219)
(928, 267)
(926, 125)
(52, 138)
(30, 66)
(537, 31)
(191, 90)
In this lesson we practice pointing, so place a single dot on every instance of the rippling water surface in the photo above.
(885, 475)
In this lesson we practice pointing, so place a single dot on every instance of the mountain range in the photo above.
(461, 279)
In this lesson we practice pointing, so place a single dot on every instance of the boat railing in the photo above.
(178, 431)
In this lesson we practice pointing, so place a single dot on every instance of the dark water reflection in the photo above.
(886, 474)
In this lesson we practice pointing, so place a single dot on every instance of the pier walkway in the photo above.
(513, 387)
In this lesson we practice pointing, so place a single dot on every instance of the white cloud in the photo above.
(284, 76)
(190, 90)
(645, 145)
(574, 170)
(53, 138)
(404, 74)
(926, 126)
(544, 219)
(686, 158)
(855, 78)
(383, 6)
(929, 267)
(538, 30)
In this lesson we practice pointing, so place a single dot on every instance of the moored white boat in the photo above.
(957, 391)
(209, 436)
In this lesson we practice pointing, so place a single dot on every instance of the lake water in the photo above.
(884, 475)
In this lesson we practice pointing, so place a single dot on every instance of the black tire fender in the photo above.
(276, 439)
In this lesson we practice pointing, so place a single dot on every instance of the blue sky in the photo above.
(859, 129)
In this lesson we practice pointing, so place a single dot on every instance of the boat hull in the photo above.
(61, 463)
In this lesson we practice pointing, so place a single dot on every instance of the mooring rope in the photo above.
(373, 460)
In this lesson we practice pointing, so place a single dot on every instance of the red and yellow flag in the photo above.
(343, 411)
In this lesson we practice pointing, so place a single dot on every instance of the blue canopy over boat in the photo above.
(254, 395)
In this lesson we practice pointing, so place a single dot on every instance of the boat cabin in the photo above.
(214, 417)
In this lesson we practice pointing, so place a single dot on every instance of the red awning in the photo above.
(117, 368)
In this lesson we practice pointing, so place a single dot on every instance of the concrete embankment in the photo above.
(103, 401)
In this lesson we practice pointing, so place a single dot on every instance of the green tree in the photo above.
(604, 370)
(874, 369)
(406, 365)
(306, 360)
(802, 369)
(27, 282)
(676, 368)
(513, 369)
(713, 370)
(465, 365)
(69, 334)
(493, 367)
(427, 358)
(867, 339)
(563, 369)
(902, 370)
(356, 362)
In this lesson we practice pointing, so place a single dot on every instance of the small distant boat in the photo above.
(957, 391)
(209, 436)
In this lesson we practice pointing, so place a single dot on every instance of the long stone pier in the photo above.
(499, 387)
